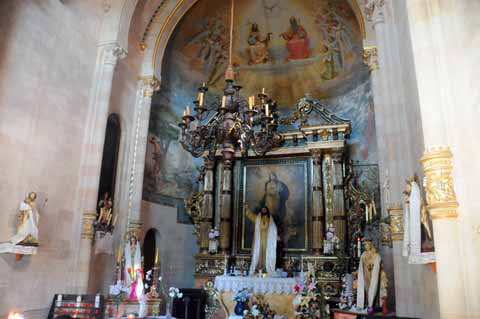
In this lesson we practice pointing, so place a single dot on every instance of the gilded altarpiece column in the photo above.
(339, 218)
(317, 204)
(207, 208)
(226, 205)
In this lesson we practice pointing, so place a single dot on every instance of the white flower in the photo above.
(160, 278)
(245, 312)
(180, 295)
(146, 286)
(172, 295)
(255, 310)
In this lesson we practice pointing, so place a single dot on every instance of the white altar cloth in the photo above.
(257, 285)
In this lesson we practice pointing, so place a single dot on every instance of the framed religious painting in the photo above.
(281, 185)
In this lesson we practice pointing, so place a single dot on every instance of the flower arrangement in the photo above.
(175, 293)
(259, 310)
(309, 302)
(214, 234)
(242, 295)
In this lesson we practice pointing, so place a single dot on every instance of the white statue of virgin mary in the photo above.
(264, 254)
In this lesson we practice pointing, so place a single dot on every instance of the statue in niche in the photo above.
(104, 222)
(298, 43)
(370, 278)
(264, 252)
(257, 46)
(27, 229)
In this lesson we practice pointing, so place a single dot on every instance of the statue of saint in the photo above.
(298, 44)
(369, 276)
(264, 253)
(27, 229)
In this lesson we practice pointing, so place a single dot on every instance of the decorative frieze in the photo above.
(438, 183)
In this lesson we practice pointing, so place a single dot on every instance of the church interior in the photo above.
(253, 159)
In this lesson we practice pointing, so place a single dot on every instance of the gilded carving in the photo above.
(193, 206)
(150, 85)
(88, 231)
(438, 183)
(396, 222)
(112, 52)
(370, 58)
(213, 300)
(374, 10)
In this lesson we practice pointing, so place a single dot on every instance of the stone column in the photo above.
(145, 89)
(207, 207)
(226, 213)
(317, 200)
(96, 124)
(442, 205)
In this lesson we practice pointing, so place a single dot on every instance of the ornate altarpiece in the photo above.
(318, 145)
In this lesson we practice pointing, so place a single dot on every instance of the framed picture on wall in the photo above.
(283, 186)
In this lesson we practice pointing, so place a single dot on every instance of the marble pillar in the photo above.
(442, 205)
(146, 87)
(98, 109)
(317, 202)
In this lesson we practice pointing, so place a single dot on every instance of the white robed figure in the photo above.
(27, 230)
(264, 252)
(133, 262)
(368, 276)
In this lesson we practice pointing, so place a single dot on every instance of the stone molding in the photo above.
(112, 52)
(374, 11)
(439, 187)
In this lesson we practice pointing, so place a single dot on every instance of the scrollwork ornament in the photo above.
(370, 58)
(374, 11)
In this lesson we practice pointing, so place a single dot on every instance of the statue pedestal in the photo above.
(277, 292)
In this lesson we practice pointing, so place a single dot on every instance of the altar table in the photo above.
(277, 292)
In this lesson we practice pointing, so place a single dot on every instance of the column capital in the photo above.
(395, 212)
(370, 58)
(374, 11)
(149, 85)
(438, 182)
(111, 52)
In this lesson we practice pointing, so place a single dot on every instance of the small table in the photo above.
(277, 292)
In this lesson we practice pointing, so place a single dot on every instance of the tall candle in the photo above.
(251, 102)
(156, 257)
(359, 247)
(266, 109)
(187, 110)
(200, 98)
(366, 213)
(119, 254)
(224, 101)
(263, 90)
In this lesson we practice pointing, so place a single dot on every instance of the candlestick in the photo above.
(200, 98)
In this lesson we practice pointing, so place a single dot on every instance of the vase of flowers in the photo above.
(309, 301)
(213, 241)
(259, 309)
(241, 297)
(173, 293)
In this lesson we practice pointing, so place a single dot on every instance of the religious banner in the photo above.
(418, 243)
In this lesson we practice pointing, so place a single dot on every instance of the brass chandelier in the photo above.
(230, 123)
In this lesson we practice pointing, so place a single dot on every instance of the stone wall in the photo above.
(47, 58)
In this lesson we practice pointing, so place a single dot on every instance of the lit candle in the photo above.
(266, 109)
(366, 213)
(200, 98)
(359, 247)
(119, 254)
(156, 257)
(224, 101)
(187, 110)
(263, 90)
